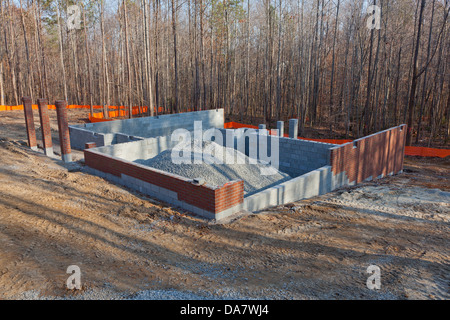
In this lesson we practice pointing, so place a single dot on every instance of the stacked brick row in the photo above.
(229, 195)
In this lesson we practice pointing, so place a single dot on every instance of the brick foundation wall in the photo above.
(214, 200)
(373, 156)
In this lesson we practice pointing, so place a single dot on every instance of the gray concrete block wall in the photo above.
(138, 150)
(309, 185)
(115, 131)
(80, 136)
(211, 118)
(300, 156)
(123, 138)
(296, 157)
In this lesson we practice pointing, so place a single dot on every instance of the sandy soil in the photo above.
(53, 216)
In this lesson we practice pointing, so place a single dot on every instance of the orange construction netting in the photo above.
(50, 106)
(122, 112)
(409, 151)
(113, 111)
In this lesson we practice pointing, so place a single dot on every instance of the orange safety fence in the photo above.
(99, 116)
(409, 151)
(113, 111)
(50, 106)
(71, 106)
(237, 125)
(427, 152)
(122, 112)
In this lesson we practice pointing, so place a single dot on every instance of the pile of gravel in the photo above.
(219, 174)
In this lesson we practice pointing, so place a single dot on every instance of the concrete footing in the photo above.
(67, 157)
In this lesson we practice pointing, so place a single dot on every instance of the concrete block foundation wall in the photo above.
(368, 158)
(296, 157)
(79, 136)
(112, 132)
(306, 186)
(138, 150)
(208, 201)
(317, 168)
(371, 157)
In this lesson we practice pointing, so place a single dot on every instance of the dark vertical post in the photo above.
(29, 121)
(45, 127)
(63, 127)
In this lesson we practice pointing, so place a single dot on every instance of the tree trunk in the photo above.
(412, 93)
(2, 91)
(88, 56)
(175, 64)
(332, 68)
(424, 87)
(61, 54)
(127, 53)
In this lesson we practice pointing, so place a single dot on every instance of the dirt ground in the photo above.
(53, 216)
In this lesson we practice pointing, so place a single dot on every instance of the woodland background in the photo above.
(261, 60)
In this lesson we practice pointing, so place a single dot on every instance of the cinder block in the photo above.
(280, 127)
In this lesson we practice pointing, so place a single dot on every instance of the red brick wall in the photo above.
(90, 145)
(371, 156)
(212, 200)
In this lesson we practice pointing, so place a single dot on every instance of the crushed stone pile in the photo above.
(256, 177)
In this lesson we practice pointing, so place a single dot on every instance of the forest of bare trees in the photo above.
(261, 60)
